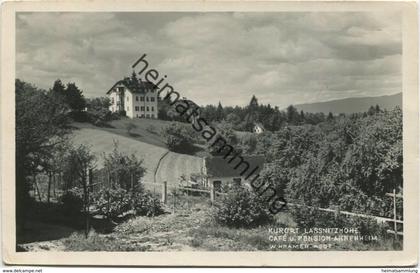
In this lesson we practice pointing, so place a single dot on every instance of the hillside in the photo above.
(352, 105)
(168, 166)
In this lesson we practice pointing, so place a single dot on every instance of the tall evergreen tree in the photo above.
(58, 90)
(74, 97)
(330, 116)
(219, 112)
(292, 115)
(133, 80)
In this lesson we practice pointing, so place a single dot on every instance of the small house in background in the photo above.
(258, 128)
(218, 171)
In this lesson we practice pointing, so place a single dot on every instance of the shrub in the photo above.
(115, 202)
(147, 205)
(112, 202)
(241, 208)
(177, 137)
(72, 203)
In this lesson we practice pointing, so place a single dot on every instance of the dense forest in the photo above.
(349, 161)
(244, 118)
(346, 161)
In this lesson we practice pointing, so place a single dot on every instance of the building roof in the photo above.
(139, 87)
(217, 166)
(259, 125)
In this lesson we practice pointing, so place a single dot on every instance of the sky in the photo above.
(282, 57)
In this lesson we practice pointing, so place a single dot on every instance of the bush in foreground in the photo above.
(116, 202)
(72, 203)
(242, 208)
(147, 205)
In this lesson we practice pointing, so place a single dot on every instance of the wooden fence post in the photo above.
(164, 192)
(212, 192)
(395, 213)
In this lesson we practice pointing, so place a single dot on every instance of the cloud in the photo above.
(282, 58)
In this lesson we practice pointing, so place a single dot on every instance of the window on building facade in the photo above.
(112, 100)
(142, 108)
(137, 108)
(147, 116)
(153, 108)
(137, 98)
(147, 98)
(152, 99)
(153, 116)
(142, 98)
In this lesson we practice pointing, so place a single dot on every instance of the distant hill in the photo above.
(352, 105)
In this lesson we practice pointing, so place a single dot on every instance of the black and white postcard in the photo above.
(209, 133)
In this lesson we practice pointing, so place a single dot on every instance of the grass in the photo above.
(145, 130)
(212, 237)
(172, 166)
(191, 228)
(97, 242)
(101, 142)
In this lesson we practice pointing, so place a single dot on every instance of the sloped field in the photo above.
(168, 166)
(101, 142)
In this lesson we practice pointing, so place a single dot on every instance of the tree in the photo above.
(371, 110)
(233, 119)
(98, 112)
(98, 104)
(253, 103)
(124, 171)
(241, 207)
(219, 112)
(292, 115)
(177, 137)
(74, 97)
(225, 132)
(133, 80)
(41, 125)
(330, 116)
(55, 165)
(58, 90)
(82, 162)
(123, 187)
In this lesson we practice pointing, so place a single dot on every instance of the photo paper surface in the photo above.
(210, 134)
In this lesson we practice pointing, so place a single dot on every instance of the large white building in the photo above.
(138, 99)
